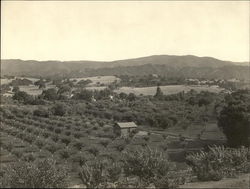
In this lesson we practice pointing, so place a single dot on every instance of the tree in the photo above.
(23, 97)
(234, 119)
(50, 94)
(131, 97)
(15, 89)
(84, 95)
(159, 93)
(59, 109)
(40, 83)
(64, 89)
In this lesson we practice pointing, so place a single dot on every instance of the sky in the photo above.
(108, 30)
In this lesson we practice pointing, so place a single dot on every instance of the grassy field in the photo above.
(169, 89)
(34, 90)
(105, 80)
(7, 81)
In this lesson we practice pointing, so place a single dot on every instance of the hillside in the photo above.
(187, 66)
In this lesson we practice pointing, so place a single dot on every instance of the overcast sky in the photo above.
(109, 30)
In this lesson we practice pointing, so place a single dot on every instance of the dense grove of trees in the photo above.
(161, 110)
(18, 82)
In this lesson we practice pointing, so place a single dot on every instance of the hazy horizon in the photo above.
(123, 59)
(109, 31)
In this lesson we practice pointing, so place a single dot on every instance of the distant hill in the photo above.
(187, 66)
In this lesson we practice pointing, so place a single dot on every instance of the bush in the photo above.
(77, 134)
(92, 175)
(219, 162)
(105, 143)
(40, 174)
(52, 148)
(78, 145)
(66, 140)
(149, 165)
(28, 157)
(80, 159)
(65, 154)
(58, 130)
(39, 143)
(93, 150)
(59, 109)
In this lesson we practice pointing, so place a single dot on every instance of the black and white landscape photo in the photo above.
(125, 94)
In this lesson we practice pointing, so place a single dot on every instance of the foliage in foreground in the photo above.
(219, 162)
(138, 169)
(41, 174)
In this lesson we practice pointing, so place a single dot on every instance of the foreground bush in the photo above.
(219, 162)
(39, 174)
(152, 167)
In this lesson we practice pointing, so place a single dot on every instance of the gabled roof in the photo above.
(126, 125)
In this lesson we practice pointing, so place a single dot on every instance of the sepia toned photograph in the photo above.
(125, 94)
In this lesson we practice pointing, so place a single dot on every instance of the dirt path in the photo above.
(242, 182)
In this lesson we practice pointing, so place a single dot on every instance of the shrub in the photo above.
(78, 144)
(59, 109)
(80, 159)
(58, 131)
(17, 153)
(50, 128)
(29, 139)
(219, 162)
(65, 154)
(45, 134)
(105, 143)
(55, 138)
(120, 147)
(40, 174)
(92, 175)
(93, 150)
(66, 140)
(77, 135)
(28, 157)
(41, 112)
(52, 148)
(39, 143)
(113, 172)
(67, 133)
(149, 165)
(8, 146)
(30, 130)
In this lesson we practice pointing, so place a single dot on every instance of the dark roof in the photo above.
(126, 125)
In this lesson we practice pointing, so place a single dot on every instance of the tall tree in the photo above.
(159, 93)
(234, 119)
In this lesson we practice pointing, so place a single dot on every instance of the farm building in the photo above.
(124, 128)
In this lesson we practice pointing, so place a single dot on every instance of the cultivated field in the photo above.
(105, 80)
(169, 89)
(73, 139)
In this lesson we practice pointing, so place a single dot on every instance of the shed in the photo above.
(124, 128)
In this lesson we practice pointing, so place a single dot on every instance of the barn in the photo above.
(124, 128)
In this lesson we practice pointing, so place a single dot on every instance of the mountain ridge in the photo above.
(174, 63)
